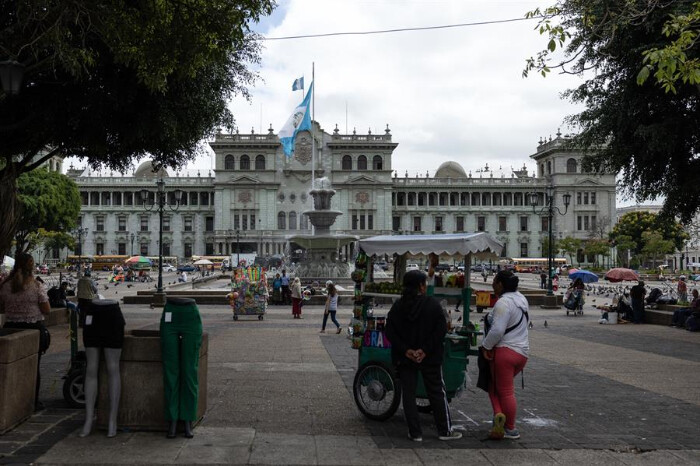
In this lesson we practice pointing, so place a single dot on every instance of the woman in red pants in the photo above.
(507, 347)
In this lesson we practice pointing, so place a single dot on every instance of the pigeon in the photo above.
(106, 287)
(545, 324)
(530, 325)
(129, 285)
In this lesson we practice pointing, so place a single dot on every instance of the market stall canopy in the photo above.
(621, 274)
(139, 262)
(203, 262)
(480, 245)
(585, 276)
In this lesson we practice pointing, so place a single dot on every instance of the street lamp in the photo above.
(549, 208)
(80, 231)
(159, 203)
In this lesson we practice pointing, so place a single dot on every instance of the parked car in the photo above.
(443, 267)
(186, 268)
(383, 265)
(169, 268)
(412, 266)
(476, 268)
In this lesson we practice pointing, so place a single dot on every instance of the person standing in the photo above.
(507, 347)
(331, 307)
(24, 302)
(637, 294)
(416, 328)
(277, 289)
(285, 287)
(682, 290)
(543, 280)
(296, 298)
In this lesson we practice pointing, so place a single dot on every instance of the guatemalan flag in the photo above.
(298, 84)
(300, 120)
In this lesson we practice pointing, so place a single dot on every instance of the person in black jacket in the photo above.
(416, 327)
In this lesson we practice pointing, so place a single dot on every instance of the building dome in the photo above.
(450, 170)
(147, 170)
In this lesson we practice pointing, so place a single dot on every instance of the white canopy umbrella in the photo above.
(203, 262)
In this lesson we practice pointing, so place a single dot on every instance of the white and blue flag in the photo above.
(298, 84)
(300, 120)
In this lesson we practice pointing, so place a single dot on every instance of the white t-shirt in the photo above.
(333, 303)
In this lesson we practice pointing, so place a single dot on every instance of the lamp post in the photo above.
(549, 208)
(238, 248)
(80, 231)
(159, 203)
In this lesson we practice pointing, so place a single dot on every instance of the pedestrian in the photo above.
(637, 294)
(277, 289)
(285, 288)
(24, 302)
(331, 307)
(296, 298)
(543, 280)
(416, 328)
(506, 346)
(681, 315)
(682, 290)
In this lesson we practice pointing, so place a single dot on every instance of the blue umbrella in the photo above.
(584, 275)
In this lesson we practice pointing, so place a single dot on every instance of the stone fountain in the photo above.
(322, 247)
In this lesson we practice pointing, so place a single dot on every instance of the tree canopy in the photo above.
(630, 229)
(113, 81)
(648, 130)
(49, 201)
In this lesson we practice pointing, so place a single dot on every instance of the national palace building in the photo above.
(255, 197)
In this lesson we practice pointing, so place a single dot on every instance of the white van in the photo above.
(412, 267)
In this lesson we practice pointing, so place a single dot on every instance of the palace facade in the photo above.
(255, 197)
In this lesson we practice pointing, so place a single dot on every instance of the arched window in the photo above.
(245, 162)
(229, 162)
(377, 162)
(292, 220)
(260, 162)
(303, 222)
(362, 163)
(571, 166)
(281, 221)
(347, 162)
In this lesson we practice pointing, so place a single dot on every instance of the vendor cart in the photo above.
(376, 387)
(485, 299)
(249, 293)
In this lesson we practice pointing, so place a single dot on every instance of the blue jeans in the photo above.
(325, 319)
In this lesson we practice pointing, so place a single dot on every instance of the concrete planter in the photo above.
(142, 402)
(18, 360)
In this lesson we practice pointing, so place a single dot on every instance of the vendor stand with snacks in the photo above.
(376, 388)
(249, 292)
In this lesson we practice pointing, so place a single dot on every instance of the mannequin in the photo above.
(181, 339)
(103, 328)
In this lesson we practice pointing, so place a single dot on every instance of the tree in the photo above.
(49, 201)
(625, 245)
(115, 81)
(48, 241)
(633, 225)
(597, 247)
(545, 247)
(655, 245)
(648, 130)
(570, 246)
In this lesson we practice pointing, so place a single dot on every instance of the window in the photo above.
(292, 220)
(244, 221)
(354, 221)
(121, 247)
(362, 163)
(245, 162)
(523, 224)
(480, 223)
(432, 198)
(422, 198)
(99, 249)
(593, 222)
(586, 225)
(188, 249)
(205, 199)
(585, 198)
(377, 162)
(362, 222)
(193, 198)
(571, 166)
(593, 198)
(99, 223)
(252, 221)
(209, 223)
(236, 221)
(144, 249)
(523, 250)
(460, 223)
(370, 222)
(281, 221)
(229, 162)
(549, 169)
(518, 199)
(497, 199)
(578, 198)
(144, 223)
(166, 249)
(545, 224)
(209, 249)
(579, 223)
(347, 162)
(438, 223)
(188, 225)
(260, 162)
(121, 222)
(417, 224)
(166, 223)
(502, 224)
(395, 223)
(117, 198)
(411, 198)
(304, 222)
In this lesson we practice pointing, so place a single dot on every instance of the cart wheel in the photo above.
(235, 317)
(74, 389)
(423, 405)
(260, 317)
(376, 390)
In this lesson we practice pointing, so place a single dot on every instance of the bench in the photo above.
(57, 316)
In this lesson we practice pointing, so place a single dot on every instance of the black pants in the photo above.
(638, 311)
(44, 343)
(435, 388)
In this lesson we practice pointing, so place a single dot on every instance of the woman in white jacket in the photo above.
(507, 347)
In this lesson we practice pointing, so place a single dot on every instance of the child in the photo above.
(331, 307)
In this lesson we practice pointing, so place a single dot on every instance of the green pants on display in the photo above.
(181, 339)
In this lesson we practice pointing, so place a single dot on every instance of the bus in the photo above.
(218, 261)
(536, 264)
(99, 262)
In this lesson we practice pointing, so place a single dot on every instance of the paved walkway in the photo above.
(280, 393)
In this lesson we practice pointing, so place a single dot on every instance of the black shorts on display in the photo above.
(104, 325)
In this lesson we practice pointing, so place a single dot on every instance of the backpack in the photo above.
(55, 298)
(654, 295)
(692, 324)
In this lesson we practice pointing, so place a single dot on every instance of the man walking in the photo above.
(637, 294)
(286, 296)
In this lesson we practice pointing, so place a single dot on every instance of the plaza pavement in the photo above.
(280, 393)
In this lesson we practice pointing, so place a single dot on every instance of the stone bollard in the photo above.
(18, 359)
(142, 402)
